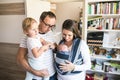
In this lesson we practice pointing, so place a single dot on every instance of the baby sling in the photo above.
(74, 56)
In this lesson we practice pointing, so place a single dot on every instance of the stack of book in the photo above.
(104, 8)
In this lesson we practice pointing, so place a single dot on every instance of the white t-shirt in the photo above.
(47, 60)
(35, 63)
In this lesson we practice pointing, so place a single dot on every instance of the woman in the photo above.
(79, 58)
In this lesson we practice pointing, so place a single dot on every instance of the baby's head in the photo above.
(62, 47)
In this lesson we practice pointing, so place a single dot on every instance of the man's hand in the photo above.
(41, 73)
(51, 45)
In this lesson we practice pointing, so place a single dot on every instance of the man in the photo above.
(47, 23)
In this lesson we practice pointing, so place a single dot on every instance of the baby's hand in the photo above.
(45, 47)
(44, 42)
(52, 45)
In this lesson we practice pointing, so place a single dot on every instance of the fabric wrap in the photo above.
(73, 56)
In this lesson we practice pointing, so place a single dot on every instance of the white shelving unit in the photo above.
(110, 73)
(104, 58)
(109, 34)
(86, 15)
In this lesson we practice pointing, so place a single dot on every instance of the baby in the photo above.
(61, 56)
(63, 47)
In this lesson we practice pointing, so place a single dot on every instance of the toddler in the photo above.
(36, 48)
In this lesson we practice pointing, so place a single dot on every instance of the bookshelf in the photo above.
(101, 31)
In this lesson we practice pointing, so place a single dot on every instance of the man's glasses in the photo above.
(50, 26)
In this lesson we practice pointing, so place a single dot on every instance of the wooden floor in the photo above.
(9, 70)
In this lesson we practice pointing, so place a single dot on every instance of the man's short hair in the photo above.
(47, 13)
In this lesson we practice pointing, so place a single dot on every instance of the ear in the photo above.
(25, 31)
(40, 21)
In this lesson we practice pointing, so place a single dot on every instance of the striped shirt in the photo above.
(48, 56)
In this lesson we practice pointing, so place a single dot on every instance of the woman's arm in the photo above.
(86, 58)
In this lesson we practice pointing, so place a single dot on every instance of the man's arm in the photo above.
(22, 61)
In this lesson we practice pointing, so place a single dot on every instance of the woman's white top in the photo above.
(85, 66)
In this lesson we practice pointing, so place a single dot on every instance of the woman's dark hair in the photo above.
(72, 26)
(47, 13)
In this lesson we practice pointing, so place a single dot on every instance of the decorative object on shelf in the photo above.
(111, 54)
(115, 65)
(98, 76)
(116, 41)
(118, 53)
(106, 66)
(95, 23)
(96, 50)
(103, 52)
(95, 38)
(89, 77)
(101, 23)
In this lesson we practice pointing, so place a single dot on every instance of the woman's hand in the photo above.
(67, 67)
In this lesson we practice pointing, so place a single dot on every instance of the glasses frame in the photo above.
(49, 26)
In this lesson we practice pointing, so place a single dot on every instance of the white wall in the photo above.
(11, 1)
(10, 28)
(10, 25)
(67, 10)
(35, 8)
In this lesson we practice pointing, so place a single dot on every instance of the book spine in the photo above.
(119, 8)
(111, 23)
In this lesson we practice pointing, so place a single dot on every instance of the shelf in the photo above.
(104, 58)
(116, 47)
(96, 30)
(104, 15)
(94, 1)
(101, 71)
